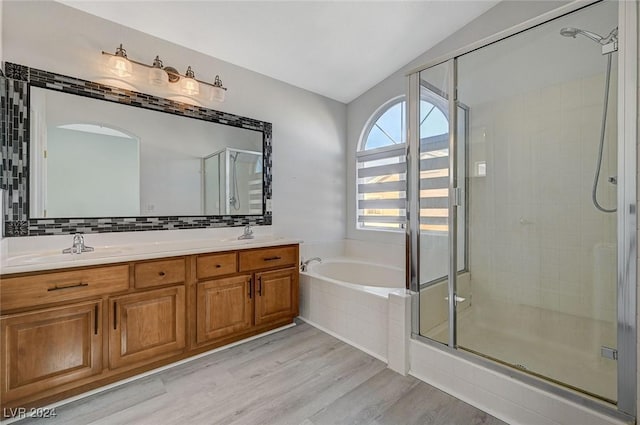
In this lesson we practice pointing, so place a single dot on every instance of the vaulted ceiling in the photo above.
(338, 49)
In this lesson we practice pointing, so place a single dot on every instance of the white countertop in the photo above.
(20, 255)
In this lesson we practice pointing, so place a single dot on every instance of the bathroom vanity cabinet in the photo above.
(71, 330)
(252, 298)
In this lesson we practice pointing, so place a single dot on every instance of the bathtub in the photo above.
(349, 299)
(360, 274)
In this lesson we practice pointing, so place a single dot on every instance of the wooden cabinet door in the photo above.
(224, 307)
(50, 347)
(276, 295)
(146, 326)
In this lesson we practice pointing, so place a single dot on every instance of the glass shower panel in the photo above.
(233, 182)
(212, 184)
(541, 255)
(434, 202)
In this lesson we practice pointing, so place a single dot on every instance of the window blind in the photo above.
(434, 183)
(382, 185)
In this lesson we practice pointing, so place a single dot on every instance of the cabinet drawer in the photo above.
(268, 258)
(157, 273)
(215, 265)
(45, 288)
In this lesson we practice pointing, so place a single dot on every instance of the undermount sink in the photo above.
(168, 246)
(57, 256)
(255, 239)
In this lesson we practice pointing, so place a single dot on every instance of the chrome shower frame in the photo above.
(626, 407)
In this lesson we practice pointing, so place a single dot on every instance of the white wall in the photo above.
(90, 174)
(500, 17)
(308, 129)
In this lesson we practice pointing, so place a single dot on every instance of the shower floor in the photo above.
(558, 346)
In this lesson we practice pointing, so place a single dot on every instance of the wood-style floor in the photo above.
(299, 376)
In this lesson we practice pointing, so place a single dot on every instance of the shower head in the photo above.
(573, 32)
(569, 32)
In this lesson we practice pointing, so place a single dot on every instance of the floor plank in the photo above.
(427, 405)
(299, 376)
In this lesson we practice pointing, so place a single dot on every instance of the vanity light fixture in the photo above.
(161, 76)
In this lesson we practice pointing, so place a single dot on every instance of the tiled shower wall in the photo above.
(535, 237)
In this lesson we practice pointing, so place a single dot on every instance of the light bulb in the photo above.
(188, 84)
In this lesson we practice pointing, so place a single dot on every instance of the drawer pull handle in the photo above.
(161, 273)
(218, 266)
(273, 258)
(77, 285)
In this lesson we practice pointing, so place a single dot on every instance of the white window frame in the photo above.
(397, 150)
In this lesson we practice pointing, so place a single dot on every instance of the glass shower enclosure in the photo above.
(233, 182)
(515, 253)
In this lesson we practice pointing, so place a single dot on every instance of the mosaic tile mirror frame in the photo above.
(14, 173)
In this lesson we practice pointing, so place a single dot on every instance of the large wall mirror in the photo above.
(79, 156)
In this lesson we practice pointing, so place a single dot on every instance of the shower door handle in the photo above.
(458, 197)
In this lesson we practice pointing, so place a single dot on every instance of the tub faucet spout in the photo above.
(305, 264)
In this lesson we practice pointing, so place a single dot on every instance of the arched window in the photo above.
(380, 160)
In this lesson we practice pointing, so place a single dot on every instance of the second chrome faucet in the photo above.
(248, 233)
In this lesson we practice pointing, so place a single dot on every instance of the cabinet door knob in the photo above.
(161, 273)
(218, 266)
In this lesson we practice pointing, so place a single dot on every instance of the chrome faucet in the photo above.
(305, 264)
(248, 233)
(78, 246)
